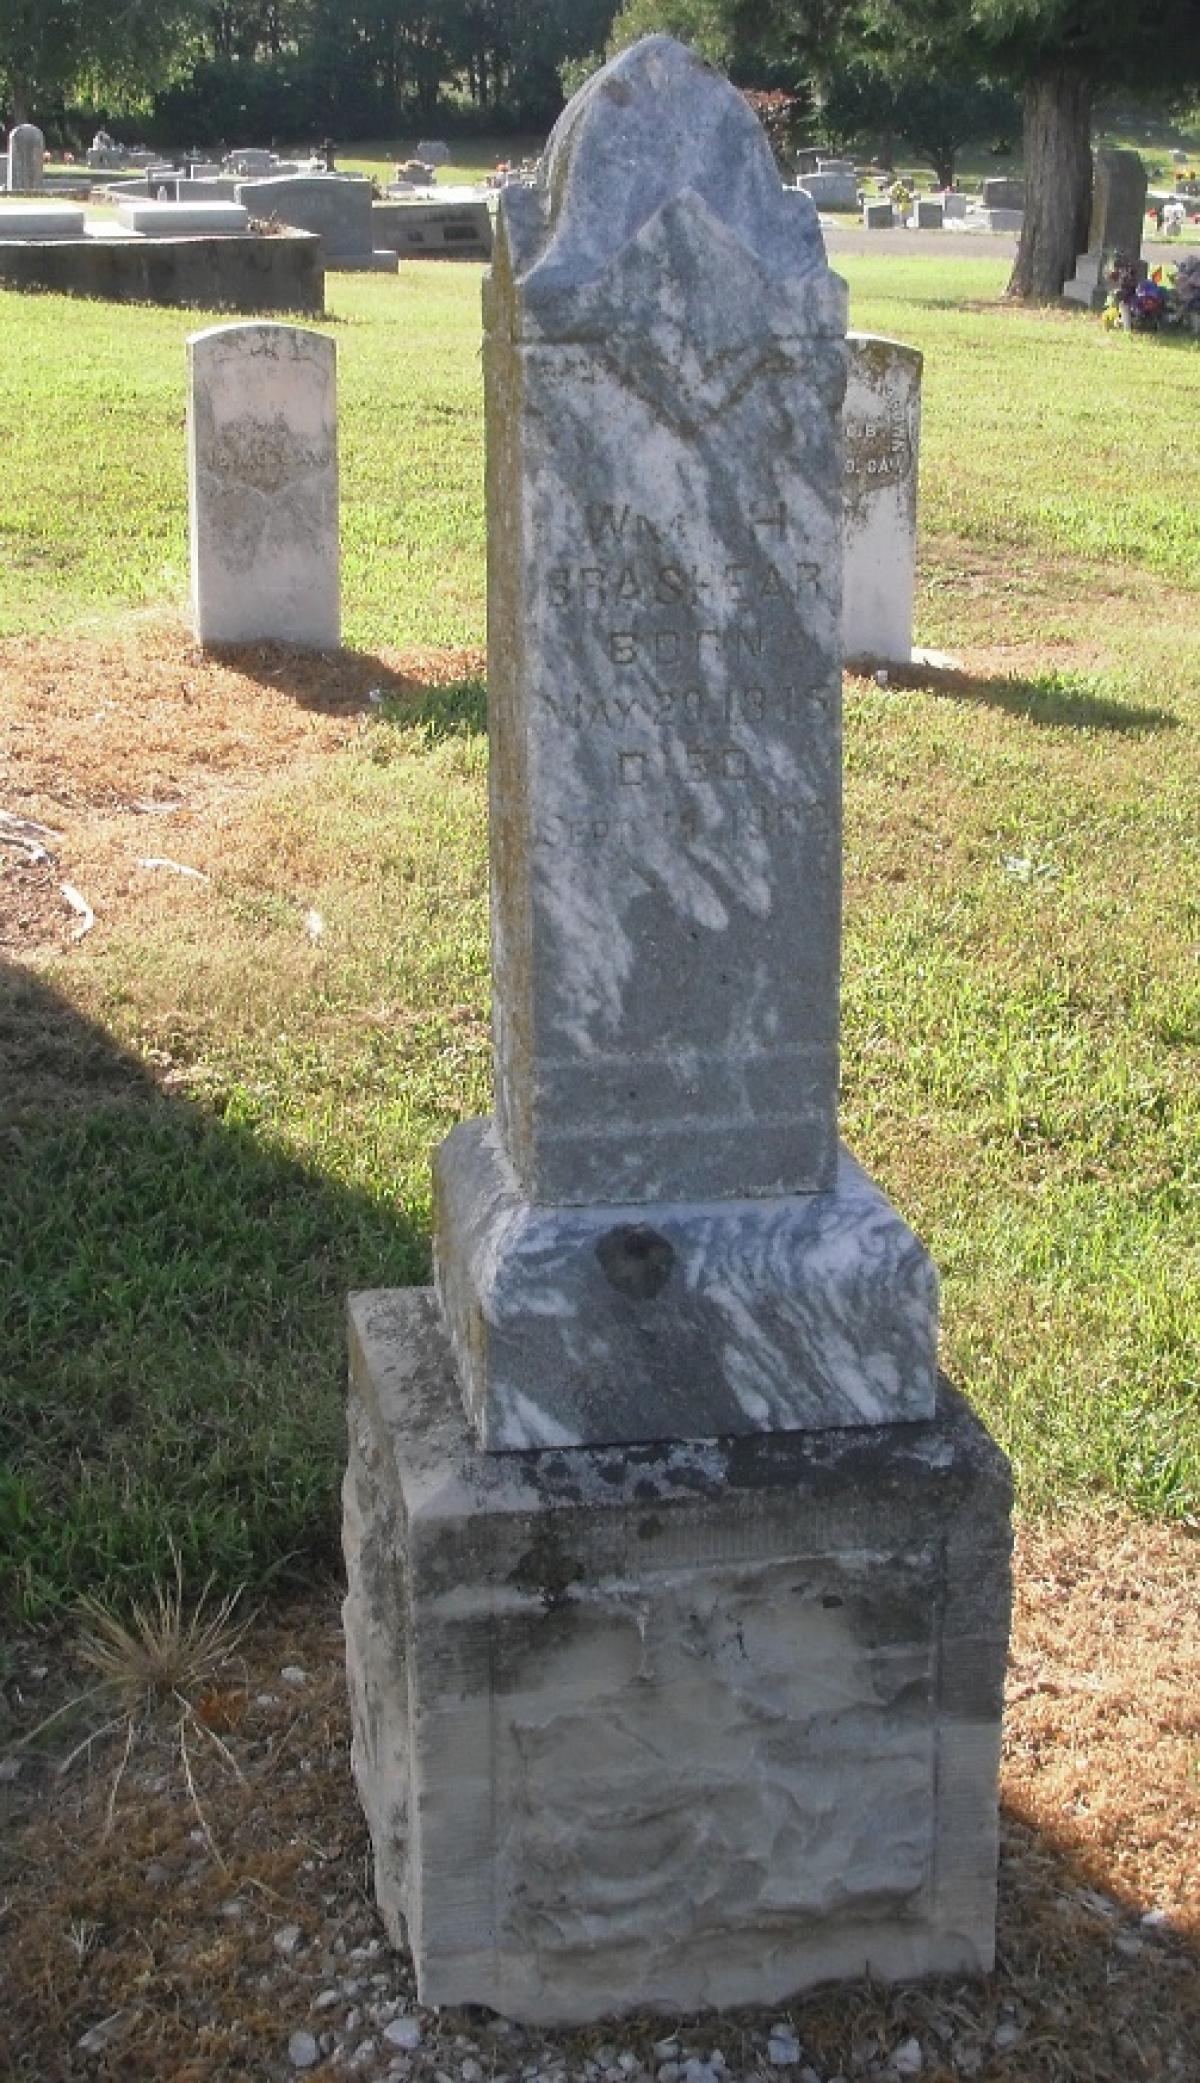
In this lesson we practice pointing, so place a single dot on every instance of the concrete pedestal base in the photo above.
(1087, 285)
(669, 1726)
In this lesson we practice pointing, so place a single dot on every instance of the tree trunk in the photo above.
(1058, 183)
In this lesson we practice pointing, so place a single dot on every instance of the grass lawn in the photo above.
(216, 1119)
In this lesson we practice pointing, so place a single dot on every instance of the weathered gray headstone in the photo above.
(644, 1717)
(1002, 192)
(251, 160)
(831, 189)
(1118, 216)
(263, 485)
(878, 217)
(459, 228)
(26, 160)
(332, 204)
(433, 152)
(882, 423)
(929, 213)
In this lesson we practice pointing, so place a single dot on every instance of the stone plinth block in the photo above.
(882, 426)
(582, 1325)
(263, 485)
(664, 364)
(26, 160)
(879, 217)
(171, 220)
(676, 1727)
(930, 213)
(42, 221)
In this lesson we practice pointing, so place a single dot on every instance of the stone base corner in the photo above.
(674, 1726)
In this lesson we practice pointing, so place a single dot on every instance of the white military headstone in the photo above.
(26, 160)
(263, 485)
(882, 427)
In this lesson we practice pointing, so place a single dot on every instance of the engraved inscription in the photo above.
(878, 449)
(669, 707)
(675, 583)
(691, 823)
(686, 692)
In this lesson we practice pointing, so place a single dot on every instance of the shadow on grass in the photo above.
(172, 1292)
(1049, 701)
(445, 693)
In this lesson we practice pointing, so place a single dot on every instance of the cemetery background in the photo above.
(230, 1107)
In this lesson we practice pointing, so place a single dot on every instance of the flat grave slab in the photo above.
(155, 220)
(42, 221)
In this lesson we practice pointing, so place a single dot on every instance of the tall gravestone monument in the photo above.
(677, 1604)
(263, 486)
(1118, 215)
(882, 427)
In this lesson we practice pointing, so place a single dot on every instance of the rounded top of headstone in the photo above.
(654, 123)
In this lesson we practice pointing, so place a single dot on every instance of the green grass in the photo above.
(213, 1128)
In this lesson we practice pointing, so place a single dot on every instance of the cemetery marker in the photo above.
(691, 1694)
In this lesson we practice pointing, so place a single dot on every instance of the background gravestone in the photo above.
(263, 486)
(26, 160)
(1118, 215)
(882, 426)
(1002, 192)
(831, 189)
(701, 1719)
(336, 206)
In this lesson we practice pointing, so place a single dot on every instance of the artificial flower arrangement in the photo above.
(1142, 299)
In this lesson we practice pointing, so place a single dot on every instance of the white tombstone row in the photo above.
(263, 485)
(881, 424)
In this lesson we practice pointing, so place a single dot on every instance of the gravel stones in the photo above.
(403, 2032)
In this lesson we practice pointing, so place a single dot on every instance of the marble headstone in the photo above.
(657, 1237)
(263, 485)
(647, 1719)
(26, 160)
(882, 423)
